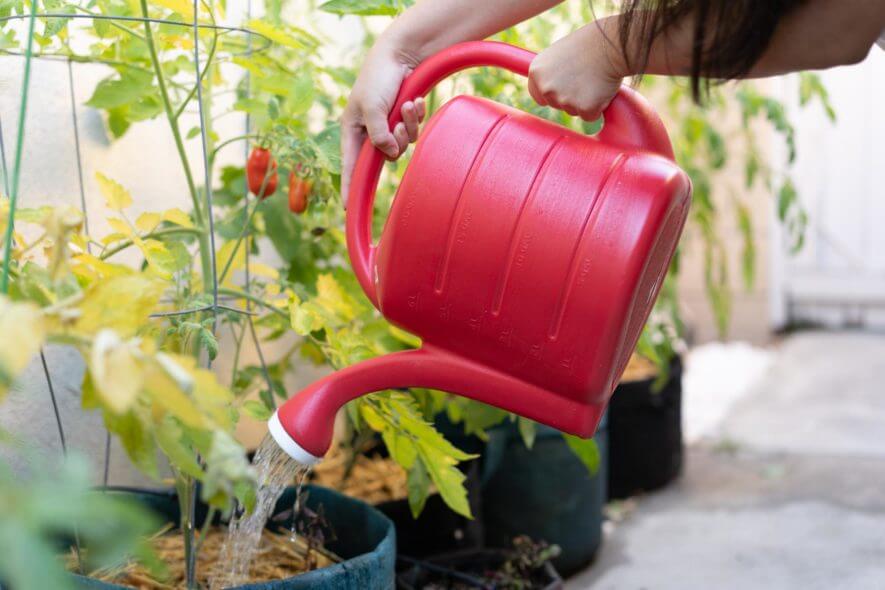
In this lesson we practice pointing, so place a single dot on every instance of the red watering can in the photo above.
(525, 255)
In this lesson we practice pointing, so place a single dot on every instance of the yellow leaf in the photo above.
(372, 418)
(274, 33)
(80, 240)
(263, 270)
(148, 221)
(332, 297)
(302, 317)
(182, 7)
(92, 267)
(166, 395)
(177, 403)
(178, 217)
(121, 303)
(225, 254)
(213, 398)
(116, 197)
(158, 257)
(23, 330)
(114, 237)
(116, 374)
(120, 226)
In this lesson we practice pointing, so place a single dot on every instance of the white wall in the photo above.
(839, 276)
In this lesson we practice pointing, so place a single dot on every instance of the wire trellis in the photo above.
(11, 180)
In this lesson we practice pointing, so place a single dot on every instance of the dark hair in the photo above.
(729, 35)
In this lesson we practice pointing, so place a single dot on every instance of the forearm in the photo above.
(432, 25)
(818, 34)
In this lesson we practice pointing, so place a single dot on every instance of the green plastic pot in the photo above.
(545, 493)
(365, 539)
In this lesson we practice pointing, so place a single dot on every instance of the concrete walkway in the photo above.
(786, 489)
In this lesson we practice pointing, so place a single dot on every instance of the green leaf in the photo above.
(138, 441)
(209, 342)
(406, 338)
(257, 410)
(301, 94)
(46, 503)
(418, 488)
(328, 143)
(527, 430)
(447, 478)
(586, 450)
(786, 198)
(228, 473)
(118, 121)
(116, 92)
(748, 253)
(170, 439)
(364, 7)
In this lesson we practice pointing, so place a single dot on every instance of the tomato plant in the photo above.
(148, 332)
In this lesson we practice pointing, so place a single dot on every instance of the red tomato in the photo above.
(299, 190)
(259, 166)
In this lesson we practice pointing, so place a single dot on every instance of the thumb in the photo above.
(535, 92)
(352, 138)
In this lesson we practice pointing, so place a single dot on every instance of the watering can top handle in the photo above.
(630, 123)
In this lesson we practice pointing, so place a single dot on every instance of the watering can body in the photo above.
(526, 256)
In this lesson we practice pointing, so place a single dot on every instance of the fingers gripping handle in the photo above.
(630, 123)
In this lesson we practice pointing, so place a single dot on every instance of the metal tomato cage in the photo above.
(11, 175)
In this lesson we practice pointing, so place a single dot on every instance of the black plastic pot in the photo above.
(465, 569)
(545, 493)
(365, 538)
(645, 435)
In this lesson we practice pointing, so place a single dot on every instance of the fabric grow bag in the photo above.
(545, 493)
(366, 540)
(645, 435)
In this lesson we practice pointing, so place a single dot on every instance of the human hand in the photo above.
(579, 74)
(369, 105)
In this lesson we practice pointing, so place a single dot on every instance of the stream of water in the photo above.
(276, 470)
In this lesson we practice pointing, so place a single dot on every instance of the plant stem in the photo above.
(253, 299)
(243, 232)
(167, 231)
(19, 145)
(193, 90)
(204, 530)
(187, 498)
(182, 154)
(227, 142)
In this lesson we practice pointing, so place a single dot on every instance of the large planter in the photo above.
(645, 435)
(365, 538)
(545, 493)
(438, 529)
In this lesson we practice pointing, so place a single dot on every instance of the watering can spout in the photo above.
(303, 426)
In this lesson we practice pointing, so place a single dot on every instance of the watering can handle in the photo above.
(630, 123)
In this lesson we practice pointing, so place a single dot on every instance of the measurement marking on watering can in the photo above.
(454, 220)
(578, 272)
(407, 211)
(519, 248)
